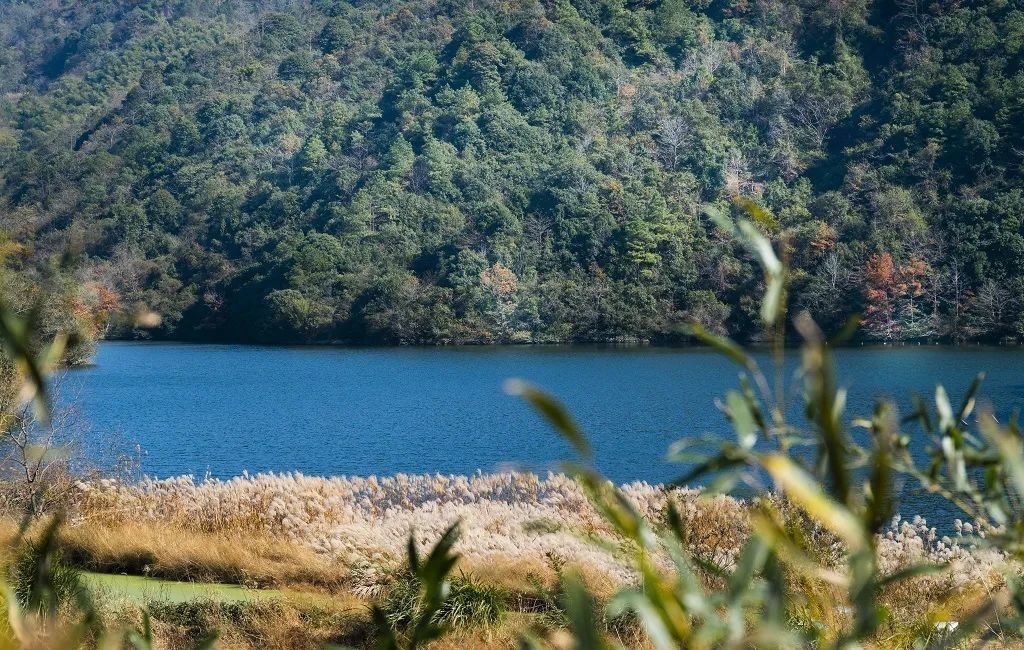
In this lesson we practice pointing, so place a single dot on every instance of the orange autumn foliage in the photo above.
(93, 306)
(889, 293)
(500, 280)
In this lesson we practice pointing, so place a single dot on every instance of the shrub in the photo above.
(42, 580)
(470, 602)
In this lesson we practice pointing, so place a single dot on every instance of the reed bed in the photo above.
(514, 524)
(512, 519)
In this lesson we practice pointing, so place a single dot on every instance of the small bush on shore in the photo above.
(42, 579)
(470, 602)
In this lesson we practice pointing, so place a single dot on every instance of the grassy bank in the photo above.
(296, 561)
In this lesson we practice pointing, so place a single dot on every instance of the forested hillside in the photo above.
(488, 171)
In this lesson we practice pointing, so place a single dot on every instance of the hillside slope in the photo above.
(486, 171)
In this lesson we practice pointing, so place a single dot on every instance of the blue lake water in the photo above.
(225, 409)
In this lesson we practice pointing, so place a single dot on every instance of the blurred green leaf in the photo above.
(582, 612)
(1010, 451)
(649, 615)
(758, 213)
(880, 489)
(967, 406)
(761, 247)
(782, 544)
(942, 405)
(45, 453)
(806, 492)
(751, 560)
(553, 411)
(771, 304)
(142, 639)
(742, 417)
(15, 340)
(721, 344)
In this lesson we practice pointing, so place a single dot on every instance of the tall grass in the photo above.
(152, 548)
(42, 579)
(355, 530)
(470, 602)
(509, 519)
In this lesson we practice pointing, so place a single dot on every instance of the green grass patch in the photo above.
(138, 590)
(185, 614)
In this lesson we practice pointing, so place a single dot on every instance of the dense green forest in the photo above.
(532, 170)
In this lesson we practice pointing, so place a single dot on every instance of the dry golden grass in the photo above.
(255, 625)
(345, 538)
(519, 576)
(915, 606)
(368, 520)
(8, 532)
(167, 551)
(508, 632)
(503, 635)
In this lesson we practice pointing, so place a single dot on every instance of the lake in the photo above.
(225, 409)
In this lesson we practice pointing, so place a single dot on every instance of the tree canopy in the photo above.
(539, 170)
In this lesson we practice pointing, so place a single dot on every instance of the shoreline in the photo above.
(756, 347)
(513, 518)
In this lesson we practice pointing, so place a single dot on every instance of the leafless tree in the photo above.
(834, 271)
(738, 177)
(536, 232)
(956, 297)
(35, 456)
(675, 135)
(989, 308)
(126, 271)
(815, 114)
(703, 62)
(916, 21)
